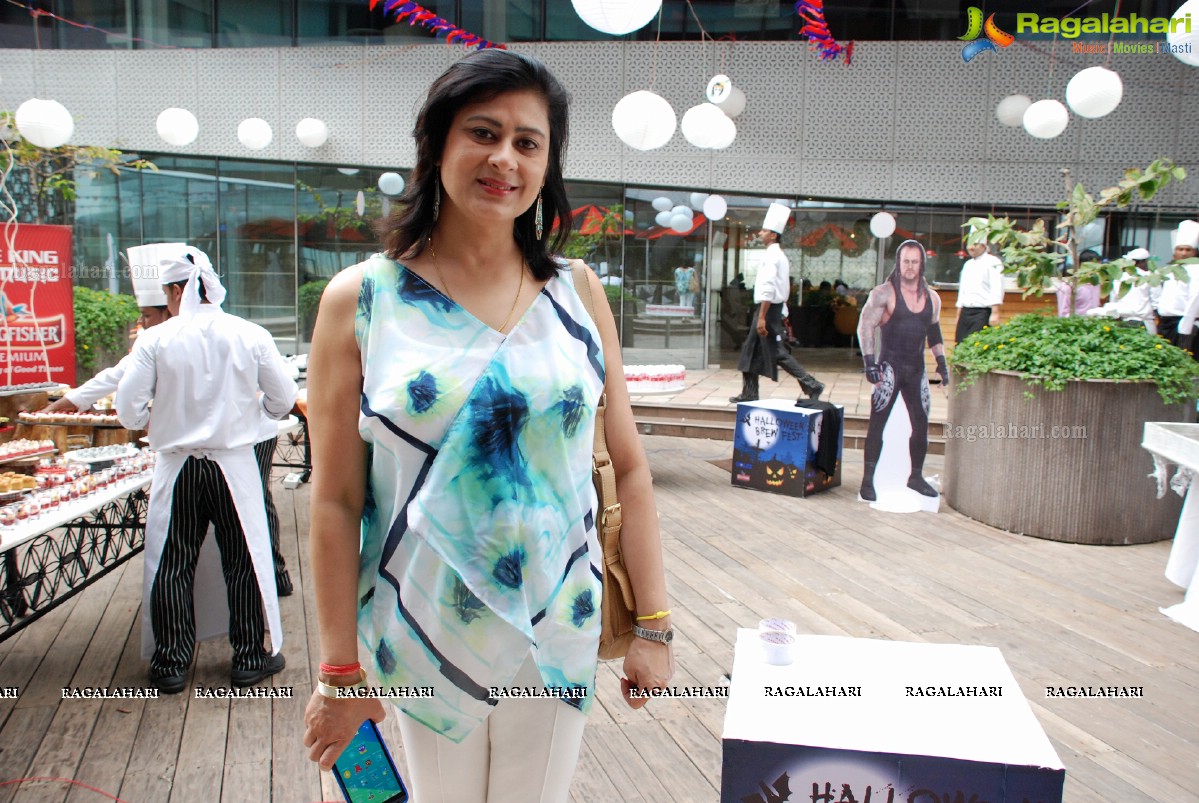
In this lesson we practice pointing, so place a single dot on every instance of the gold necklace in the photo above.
(445, 286)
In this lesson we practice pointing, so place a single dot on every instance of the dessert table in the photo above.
(1178, 444)
(53, 556)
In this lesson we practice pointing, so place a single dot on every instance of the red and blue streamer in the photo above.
(816, 29)
(438, 26)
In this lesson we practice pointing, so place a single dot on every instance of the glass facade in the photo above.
(680, 294)
(275, 23)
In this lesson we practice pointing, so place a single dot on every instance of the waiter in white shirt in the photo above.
(204, 371)
(980, 292)
(764, 351)
(1179, 302)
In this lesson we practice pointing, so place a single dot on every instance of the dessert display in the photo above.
(100, 453)
(655, 378)
(24, 448)
(61, 481)
(97, 419)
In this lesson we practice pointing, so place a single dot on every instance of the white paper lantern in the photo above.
(680, 223)
(701, 124)
(45, 123)
(882, 225)
(360, 202)
(1010, 110)
(662, 203)
(697, 200)
(685, 211)
(312, 133)
(1094, 92)
(391, 183)
(726, 132)
(255, 133)
(348, 171)
(1185, 44)
(617, 17)
(663, 218)
(177, 127)
(726, 97)
(715, 207)
(1045, 119)
(643, 120)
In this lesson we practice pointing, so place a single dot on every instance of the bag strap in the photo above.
(601, 460)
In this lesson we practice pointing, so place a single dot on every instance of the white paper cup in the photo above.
(777, 648)
(777, 626)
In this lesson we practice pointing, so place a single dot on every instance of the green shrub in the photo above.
(309, 301)
(1049, 351)
(102, 323)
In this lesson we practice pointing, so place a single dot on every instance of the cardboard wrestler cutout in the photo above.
(901, 315)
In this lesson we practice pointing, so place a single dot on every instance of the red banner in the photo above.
(37, 333)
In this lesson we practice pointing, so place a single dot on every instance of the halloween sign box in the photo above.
(785, 449)
(856, 720)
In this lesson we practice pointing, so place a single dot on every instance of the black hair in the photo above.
(481, 76)
(896, 277)
(183, 285)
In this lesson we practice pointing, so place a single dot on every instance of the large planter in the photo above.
(1064, 465)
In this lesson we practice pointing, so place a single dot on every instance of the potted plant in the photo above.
(102, 324)
(1047, 414)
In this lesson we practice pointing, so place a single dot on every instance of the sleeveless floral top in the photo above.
(478, 532)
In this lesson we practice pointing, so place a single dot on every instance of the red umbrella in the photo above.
(655, 232)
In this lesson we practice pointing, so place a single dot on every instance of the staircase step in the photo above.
(716, 423)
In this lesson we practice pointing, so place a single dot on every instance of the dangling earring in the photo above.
(538, 224)
(437, 197)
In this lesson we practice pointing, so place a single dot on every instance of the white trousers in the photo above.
(524, 752)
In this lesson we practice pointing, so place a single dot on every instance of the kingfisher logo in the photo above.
(975, 28)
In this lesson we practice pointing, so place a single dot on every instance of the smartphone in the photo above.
(365, 771)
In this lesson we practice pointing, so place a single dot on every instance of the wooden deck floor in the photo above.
(1062, 615)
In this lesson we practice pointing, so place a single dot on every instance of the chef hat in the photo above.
(191, 265)
(143, 268)
(1137, 254)
(1187, 233)
(776, 218)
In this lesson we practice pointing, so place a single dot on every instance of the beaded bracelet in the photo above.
(657, 615)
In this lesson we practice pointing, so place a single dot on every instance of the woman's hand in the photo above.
(331, 724)
(648, 665)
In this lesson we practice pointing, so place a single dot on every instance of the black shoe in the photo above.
(741, 398)
(918, 484)
(867, 491)
(814, 395)
(283, 585)
(169, 684)
(249, 677)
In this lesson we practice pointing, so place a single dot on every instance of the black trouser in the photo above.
(772, 345)
(971, 320)
(201, 496)
(1167, 327)
(264, 452)
(910, 382)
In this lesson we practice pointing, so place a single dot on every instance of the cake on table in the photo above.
(655, 378)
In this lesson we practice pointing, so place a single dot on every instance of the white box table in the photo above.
(884, 722)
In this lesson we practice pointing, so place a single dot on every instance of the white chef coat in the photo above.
(773, 282)
(204, 372)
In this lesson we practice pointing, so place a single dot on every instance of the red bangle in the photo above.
(335, 670)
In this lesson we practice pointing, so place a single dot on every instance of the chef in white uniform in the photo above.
(211, 376)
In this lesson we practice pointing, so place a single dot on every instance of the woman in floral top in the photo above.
(453, 386)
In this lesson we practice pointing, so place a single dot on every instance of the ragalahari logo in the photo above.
(976, 27)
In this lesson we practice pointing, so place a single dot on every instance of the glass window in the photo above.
(339, 21)
(101, 25)
(262, 23)
(17, 27)
(182, 23)
(258, 244)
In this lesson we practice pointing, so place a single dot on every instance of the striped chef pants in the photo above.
(201, 496)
